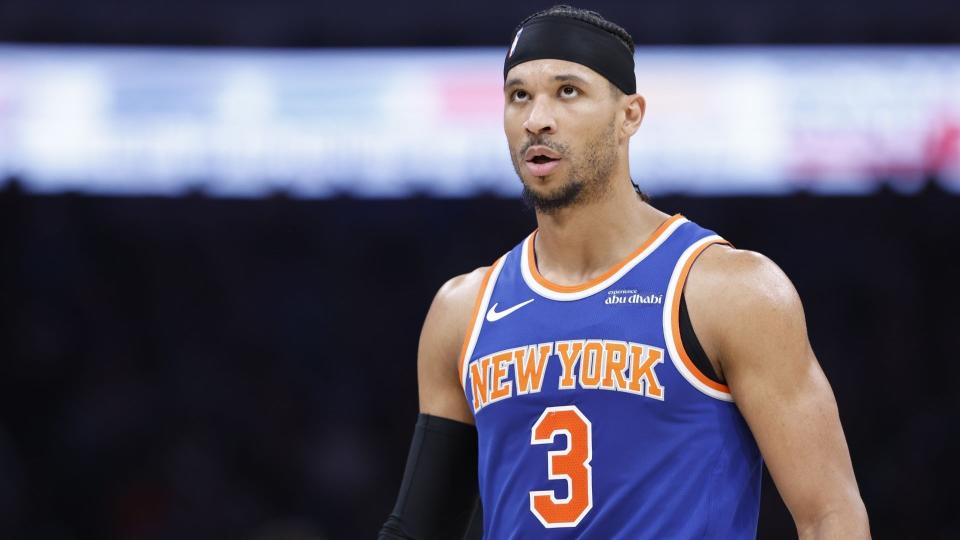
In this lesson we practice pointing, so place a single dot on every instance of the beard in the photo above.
(589, 177)
(565, 196)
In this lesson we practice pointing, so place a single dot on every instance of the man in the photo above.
(624, 369)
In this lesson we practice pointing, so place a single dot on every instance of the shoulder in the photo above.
(741, 297)
(740, 275)
(450, 314)
(440, 346)
(457, 296)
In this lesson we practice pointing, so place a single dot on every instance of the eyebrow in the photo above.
(570, 78)
(565, 77)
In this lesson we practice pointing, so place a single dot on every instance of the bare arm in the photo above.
(754, 328)
(441, 339)
(438, 493)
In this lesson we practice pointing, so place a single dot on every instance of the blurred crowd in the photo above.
(212, 368)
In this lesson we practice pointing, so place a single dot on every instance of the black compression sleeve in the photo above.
(438, 493)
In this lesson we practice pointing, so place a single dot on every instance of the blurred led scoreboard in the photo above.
(391, 122)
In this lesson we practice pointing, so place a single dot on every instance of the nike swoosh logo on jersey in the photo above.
(493, 315)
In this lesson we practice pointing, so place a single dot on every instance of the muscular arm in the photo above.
(438, 494)
(753, 329)
(441, 339)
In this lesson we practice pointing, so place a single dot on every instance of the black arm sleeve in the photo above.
(438, 497)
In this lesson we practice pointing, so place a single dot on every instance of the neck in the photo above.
(574, 245)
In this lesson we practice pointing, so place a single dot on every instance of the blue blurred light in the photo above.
(388, 123)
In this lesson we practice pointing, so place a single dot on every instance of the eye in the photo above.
(569, 91)
(519, 95)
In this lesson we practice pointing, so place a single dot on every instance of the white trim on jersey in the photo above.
(531, 282)
(478, 322)
(668, 321)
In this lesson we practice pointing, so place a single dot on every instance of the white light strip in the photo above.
(391, 122)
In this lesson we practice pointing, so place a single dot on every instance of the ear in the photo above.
(634, 108)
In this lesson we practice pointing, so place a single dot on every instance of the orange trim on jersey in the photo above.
(473, 320)
(675, 320)
(532, 261)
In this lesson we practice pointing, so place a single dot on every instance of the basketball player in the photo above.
(620, 373)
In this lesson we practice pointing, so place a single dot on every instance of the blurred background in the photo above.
(213, 215)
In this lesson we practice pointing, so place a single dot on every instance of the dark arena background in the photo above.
(221, 225)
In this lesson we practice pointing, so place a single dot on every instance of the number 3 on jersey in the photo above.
(571, 464)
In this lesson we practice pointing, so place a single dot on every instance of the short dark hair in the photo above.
(597, 20)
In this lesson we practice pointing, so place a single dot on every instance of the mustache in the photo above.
(542, 141)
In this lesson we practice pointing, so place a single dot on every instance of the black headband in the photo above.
(563, 38)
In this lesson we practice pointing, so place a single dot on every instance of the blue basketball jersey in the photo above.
(592, 420)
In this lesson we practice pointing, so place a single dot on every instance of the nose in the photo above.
(541, 118)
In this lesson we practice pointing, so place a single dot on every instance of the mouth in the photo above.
(541, 161)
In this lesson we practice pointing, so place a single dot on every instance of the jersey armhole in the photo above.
(693, 373)
(476, 319)
(691, 344)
